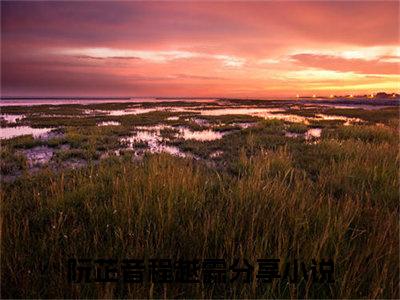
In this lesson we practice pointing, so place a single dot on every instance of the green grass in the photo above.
(297, 128)
(169, 207)
(168, 133)
(11, 162)
(374, 134)
(22, 142)
(326, 123)
(266, 196)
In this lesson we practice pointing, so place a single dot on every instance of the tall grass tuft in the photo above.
(335, 199)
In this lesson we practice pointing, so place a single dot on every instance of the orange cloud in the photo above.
(336, 63)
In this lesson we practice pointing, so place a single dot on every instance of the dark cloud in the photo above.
(110, 57)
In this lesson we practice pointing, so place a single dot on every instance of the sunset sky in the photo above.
(199, 49)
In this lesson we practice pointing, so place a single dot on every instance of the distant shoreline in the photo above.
(29, 101)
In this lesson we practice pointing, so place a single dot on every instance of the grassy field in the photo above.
(267, 196)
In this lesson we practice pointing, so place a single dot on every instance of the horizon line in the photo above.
(200, 97)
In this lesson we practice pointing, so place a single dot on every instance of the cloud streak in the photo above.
(162, 56)
(356, 65)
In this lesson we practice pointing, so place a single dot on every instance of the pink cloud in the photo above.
(336, 63)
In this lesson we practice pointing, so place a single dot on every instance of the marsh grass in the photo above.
(266, 196)
(22, 142)
(373, 134)
(337, 198)
(12, 162)
(297, 128)
(168, 133)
